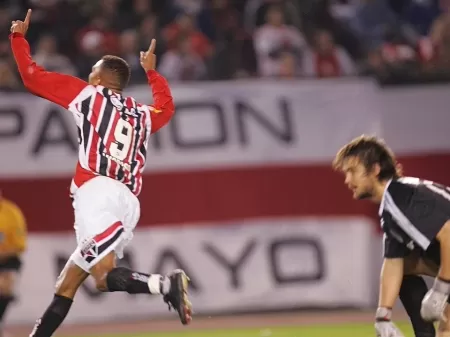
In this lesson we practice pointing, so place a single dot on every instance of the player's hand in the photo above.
(387, 329)
(21, 26)
(148, 58)
(384, 327)
(435, 302)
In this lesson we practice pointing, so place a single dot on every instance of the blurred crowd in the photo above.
(228, 39)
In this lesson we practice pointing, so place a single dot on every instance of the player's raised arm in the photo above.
(58, 88)
(163, 108)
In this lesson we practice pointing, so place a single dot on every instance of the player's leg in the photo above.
(412, 291)
(110, 278)
(106, 213)
(68, 282)
(8, 277)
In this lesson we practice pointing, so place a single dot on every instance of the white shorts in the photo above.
(106, 213)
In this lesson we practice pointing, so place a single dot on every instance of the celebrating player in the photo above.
(113, 135)
(415, 217)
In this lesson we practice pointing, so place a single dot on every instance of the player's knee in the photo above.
(100, 284)
(100, 279)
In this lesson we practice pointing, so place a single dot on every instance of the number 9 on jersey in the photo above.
(123, 136)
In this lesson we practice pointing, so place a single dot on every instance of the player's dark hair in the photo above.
(370, 151)
(119, 68)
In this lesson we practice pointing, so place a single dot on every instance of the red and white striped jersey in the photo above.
(113, 133)
(113, 130)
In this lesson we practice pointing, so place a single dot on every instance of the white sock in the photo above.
(158, 284)
(165, 284)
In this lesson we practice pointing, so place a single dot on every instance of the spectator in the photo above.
(396, 50)
(68, 19)
(216, 18)
(371, 20)
(47, 55)
(432, 48)
(98, 34)
(94, 40)
(4, 49)
(219, 47)
(288, 66)
(441, 40)
(184, 28)
(8, 80)
(374, 64)
(129, 50)
(182, 63)
(5, 24)
(149, 30)
(192, 7)
(110, 10)
(5, 21)
(421, 14)
(255, 12)
(274, 38)
(235, 54)
(326, 59)
(334, 16)
(140, 10)
(343, 10)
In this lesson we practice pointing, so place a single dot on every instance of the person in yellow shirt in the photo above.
(13, 241)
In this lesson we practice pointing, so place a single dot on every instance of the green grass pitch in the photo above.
(328, 330)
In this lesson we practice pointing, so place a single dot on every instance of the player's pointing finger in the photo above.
(152, 46)
(28, 17)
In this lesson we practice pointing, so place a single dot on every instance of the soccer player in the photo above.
(415, 217)
(13, 242)
(113, 135)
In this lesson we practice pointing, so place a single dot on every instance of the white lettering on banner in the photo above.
(248, 123)
(255, 265)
